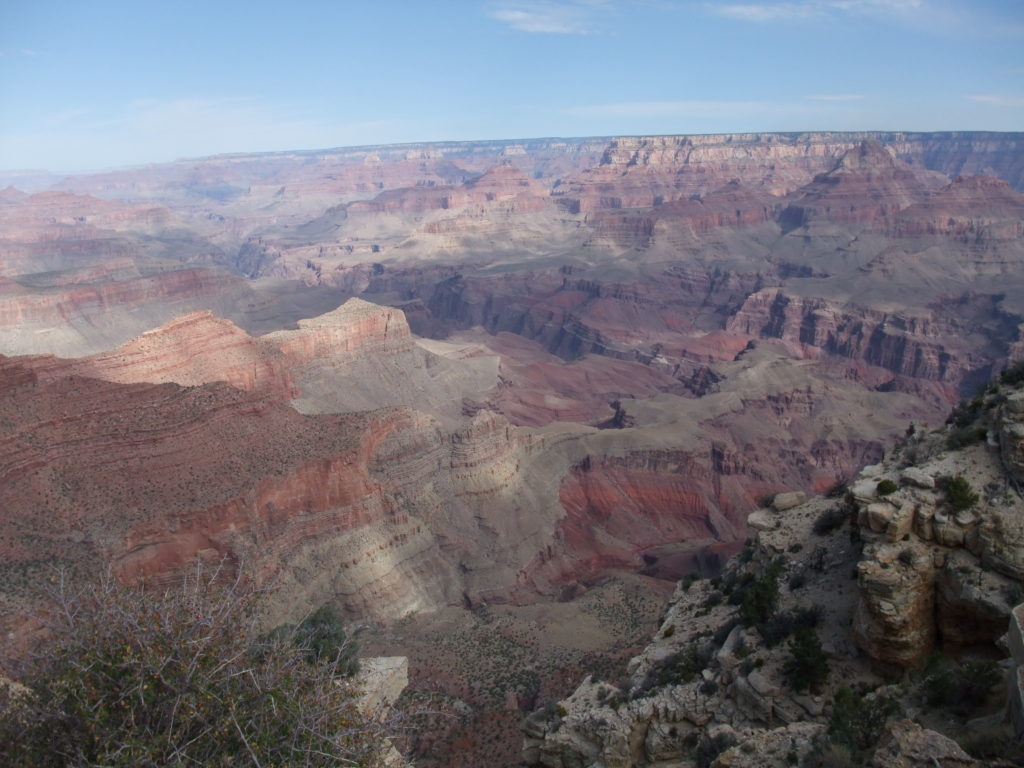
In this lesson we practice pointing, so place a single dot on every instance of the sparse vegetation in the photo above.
(783, 624)
(678, 668)
(959, 493)
(886, 487)
(858, 719)
(966, 412)
(760, 597)
(322, 638)
(1013, 375)
(961, 687)
(134, 678)
(807, 667)
(961, 437)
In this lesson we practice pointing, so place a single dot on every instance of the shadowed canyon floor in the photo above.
(432, 378)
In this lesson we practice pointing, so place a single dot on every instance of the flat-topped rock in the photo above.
(917, 477)
(788, 500)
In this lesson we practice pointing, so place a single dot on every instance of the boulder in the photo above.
(908, 745)
(784, 501)
(900, 523)
(878, 515)
(761, 520)
(917, 477)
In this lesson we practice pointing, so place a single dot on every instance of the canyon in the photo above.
(936, 588)
(414, 379)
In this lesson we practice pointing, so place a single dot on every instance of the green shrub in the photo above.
(858, 720)
(322, 637)
(807, 667)
(677, 668)
(961, 437)
(963, 687)
(885, 487)
(780, 626)
(959, 493)
(761, 596)
(1013, 375)
(966, 412)
(133, 678)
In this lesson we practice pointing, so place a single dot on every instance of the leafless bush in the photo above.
(128, 677)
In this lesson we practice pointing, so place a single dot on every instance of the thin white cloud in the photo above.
(835, 96)
(551, 17)
(876, 6)
(30, 52)
(805, 9)
(946, 17)
(760, 12)
(998, 100)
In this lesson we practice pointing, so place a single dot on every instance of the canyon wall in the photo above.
(630, 341)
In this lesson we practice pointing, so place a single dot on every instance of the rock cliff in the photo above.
(934, 570)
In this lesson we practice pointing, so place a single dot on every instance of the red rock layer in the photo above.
(732, 206)
(355, 328)
(200, 348)
(930, 346)
(970, 209)
(20, 305)
(192, 350)
(868, 183)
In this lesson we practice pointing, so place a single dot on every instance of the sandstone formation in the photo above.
(932, 572)
(935, 574)
(868, 183)
(381, 680)
(400, 378)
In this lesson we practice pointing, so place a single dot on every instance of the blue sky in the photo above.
(96, 84)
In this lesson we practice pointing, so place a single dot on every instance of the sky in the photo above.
(94, 84)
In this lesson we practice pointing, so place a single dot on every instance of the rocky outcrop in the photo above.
(731, 206)
(355, 328)
(867, 183)
(938, 570)
(908, 745)
(200, 348)
(644, 171)
(1009, 432)
(706, 678)
(381, 680)
(928, 345)
(191, 350)
(932, 571)
(971, 209)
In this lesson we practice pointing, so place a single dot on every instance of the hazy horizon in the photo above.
(113, 85)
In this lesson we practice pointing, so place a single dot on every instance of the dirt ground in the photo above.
(482, 670)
